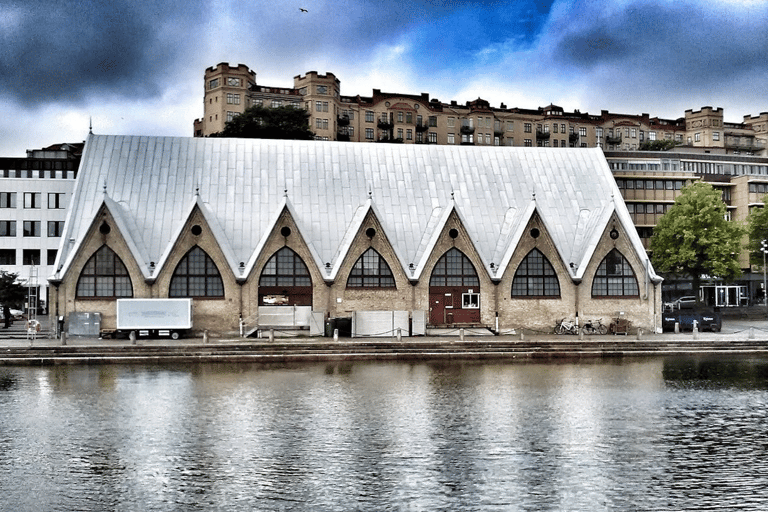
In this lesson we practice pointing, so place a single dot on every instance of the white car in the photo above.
(16, 314)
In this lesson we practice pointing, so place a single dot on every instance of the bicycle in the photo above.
(566, 327)
(595, 327)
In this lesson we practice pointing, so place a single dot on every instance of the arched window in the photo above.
(285, 268)
(196, 275)
(615, 277)
(371, 271)
(535, 277)
(454, 269)
(104, 276)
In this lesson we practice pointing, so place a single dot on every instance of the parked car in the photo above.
(16, 314)
(685, 302)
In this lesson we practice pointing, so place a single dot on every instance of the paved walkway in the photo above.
(733, 329)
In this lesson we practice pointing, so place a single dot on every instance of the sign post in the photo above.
(764, 249)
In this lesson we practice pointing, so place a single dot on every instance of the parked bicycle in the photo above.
(595, 327)
(566, 327)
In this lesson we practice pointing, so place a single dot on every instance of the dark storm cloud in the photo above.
(62, 51)
(670, 42)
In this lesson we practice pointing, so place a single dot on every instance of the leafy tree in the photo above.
(12, 294)
(259, 122)
(757, 229)
(657, 145)
(693, 238)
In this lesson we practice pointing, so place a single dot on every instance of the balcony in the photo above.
(613, 140)
(744, 144)
(421, 127)
(540, 135)
(573, 138)
(342, 120)
(384, 125)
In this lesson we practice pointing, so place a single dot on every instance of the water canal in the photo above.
(648, 434)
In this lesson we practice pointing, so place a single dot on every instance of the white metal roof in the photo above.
(151, 185)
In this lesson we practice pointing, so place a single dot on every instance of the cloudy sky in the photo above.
(136, 67)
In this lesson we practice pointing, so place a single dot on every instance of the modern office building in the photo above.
(34, 193)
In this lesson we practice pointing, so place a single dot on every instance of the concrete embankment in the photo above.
(50, 352)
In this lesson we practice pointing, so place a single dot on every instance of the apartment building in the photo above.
(34, 194)
(419, 119)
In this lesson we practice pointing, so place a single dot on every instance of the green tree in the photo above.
(259, 122)
(757, 229)
(12, 294)
(657, 145)
(693, 238)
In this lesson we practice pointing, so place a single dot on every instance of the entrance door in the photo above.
(440, 308)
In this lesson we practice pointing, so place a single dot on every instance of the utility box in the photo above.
(83, 324)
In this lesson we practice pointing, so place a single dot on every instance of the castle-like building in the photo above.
(419, 119)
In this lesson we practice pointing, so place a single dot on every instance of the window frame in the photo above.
(186, 282)
(626, 278)
(103, 277)
(372, 271)
(536, 267)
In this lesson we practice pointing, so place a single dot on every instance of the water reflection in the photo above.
(650, 434)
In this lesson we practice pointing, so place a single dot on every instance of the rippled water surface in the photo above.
(652, 434)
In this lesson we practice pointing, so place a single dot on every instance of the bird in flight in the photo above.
(303, 9)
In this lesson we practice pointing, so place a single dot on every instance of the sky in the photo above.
(136, 67)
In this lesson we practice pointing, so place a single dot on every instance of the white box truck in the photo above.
(151, 318)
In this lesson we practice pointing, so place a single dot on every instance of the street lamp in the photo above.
(764, 249)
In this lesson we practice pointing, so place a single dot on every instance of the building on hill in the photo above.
(34, 193)
(296, 233)
(419, 119)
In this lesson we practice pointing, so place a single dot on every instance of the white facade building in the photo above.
(34, 194)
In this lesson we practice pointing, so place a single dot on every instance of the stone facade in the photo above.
(488, 244)
(417, 118)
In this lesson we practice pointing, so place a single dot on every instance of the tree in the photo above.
(657, 145)
(757, 229)
(258, 122)
(12, 294)
(693, 238)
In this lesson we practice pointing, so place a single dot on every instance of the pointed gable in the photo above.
(240, 184)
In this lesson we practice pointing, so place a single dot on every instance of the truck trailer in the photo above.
(154, 318)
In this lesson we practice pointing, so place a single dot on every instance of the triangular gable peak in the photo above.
(597, 227)
(587, 236)
(522, 223)
(195, 206)
(448, 215)
(364, 214)
(70, 246)
(284, 210)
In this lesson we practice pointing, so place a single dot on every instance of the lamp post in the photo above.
(764, 249)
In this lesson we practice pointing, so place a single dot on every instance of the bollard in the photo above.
(751, 333)
(205, 336)
(461, 334)
(335, 335)
(522, 336)
(63, 338)
(271, 335)
(132, 337)
(695, 330)
(639, 333)
(399, 334)
(677, 327)
(581, 334)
